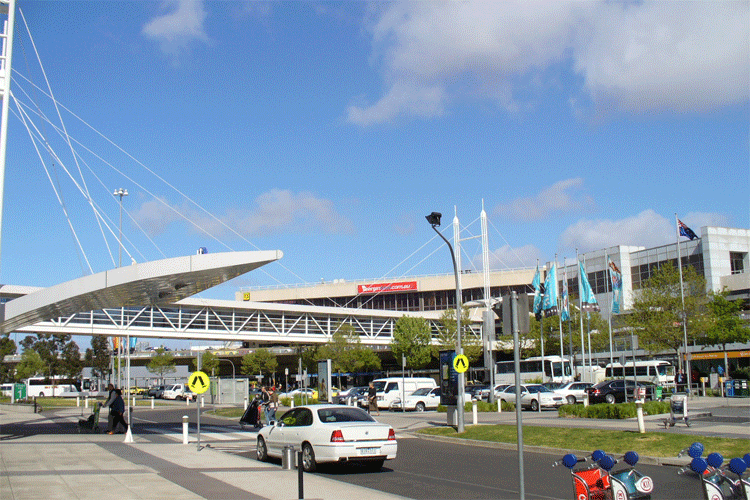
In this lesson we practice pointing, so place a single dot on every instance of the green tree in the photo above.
(446, 339)
(31, 364)
(7, 348)
(162, 362)
(259, 361)
(98, 356)
(725, 325)
(412, 337)
(209, 363)
(657, 314)
(71, 365)
(56, 351)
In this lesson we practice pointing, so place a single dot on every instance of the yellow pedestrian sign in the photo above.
(461, 363)
(199, 382)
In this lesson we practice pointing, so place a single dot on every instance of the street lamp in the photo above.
(434, 220)
(120, 192)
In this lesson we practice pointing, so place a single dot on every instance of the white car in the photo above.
(420, 400)
(530, 396)
(329, 433)
(573, 392)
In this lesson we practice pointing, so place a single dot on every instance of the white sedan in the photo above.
(531, 394)
(329, 433)
(421, 399)
(573, 392)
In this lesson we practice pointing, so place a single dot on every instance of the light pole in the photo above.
(123, 192)
(434, 220)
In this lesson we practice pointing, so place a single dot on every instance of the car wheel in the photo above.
(534, 405)
(308, 458)
(41, 394)
(419, 407)
(571, 399)
(261, 449)
(610, 398)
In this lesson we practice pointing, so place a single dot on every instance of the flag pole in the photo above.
(580, 313)
(611, 360)
(559, 316)
(683, 313)
(541, 325)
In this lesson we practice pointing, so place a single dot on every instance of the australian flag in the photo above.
(686, 231)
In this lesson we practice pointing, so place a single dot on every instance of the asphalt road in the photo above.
(427, 469)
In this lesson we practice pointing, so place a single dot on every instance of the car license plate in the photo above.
(368, 451)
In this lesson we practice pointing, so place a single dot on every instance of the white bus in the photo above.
(46, 386)
(655, 371)
(556, 369)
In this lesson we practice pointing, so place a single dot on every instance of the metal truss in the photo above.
(263, 323)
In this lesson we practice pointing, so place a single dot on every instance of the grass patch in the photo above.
(654, 444)
(232, 412)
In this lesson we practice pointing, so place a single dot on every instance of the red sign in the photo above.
(403, 286)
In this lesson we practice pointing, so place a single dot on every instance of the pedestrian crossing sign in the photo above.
(199, 382)
(460, 363)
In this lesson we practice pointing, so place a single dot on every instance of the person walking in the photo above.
(372, 399)
(274, 402)
(265, 397)
(108, 404)
(118, 409)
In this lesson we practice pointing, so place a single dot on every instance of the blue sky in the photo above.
(328, 130)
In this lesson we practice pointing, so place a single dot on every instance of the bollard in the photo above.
(133, 400)
(78, 401)
(203, 402)
(185, 429)
(86, 402)
(703, 383)
(300, 484)
(539, 401)
(474, 413)
(586, 400)
(246, 402)
(292, 403)
(152, 402)
(639, 411)
(499, 405)
(187, 401)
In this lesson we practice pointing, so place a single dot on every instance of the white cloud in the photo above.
(558, 198)
(647, 229)
(276, 211)
(632, 57)
(182, 24)
(507, 257)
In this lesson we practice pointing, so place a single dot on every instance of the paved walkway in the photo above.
(40, 459)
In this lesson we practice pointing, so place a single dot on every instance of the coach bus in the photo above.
(556, 369)
(50, 386)
(656, 371)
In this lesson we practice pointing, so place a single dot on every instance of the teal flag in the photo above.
(535, 283)
(588, 301)
(549, 304)
(564, 300)
(615, 277)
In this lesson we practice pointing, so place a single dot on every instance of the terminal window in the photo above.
(737, 260)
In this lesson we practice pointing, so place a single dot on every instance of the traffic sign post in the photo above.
(198, 383)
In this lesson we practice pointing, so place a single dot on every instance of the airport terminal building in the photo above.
(721, 255)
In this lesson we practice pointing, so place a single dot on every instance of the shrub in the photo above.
(482, 406)
(616, 411)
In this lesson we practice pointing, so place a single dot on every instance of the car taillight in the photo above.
(337, 437)
(391, 435)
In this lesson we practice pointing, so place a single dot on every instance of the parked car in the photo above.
(156, 391)
(573, 392)
(390, 389)
(613, 391)
(477, 391)
(351, 396)
(311, 393)
(329, 433)
(188, 395)
(420, 400)
(530, 396)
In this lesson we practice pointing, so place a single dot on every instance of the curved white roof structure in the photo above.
(157, 282)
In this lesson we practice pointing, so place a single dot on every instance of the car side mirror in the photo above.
(277, 423)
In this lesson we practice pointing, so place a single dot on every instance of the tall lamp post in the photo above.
(129, 436)
(434, 220)
(120, 192)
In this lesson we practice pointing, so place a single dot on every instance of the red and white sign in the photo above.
(403, 286)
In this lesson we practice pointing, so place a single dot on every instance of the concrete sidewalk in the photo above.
(38, 463)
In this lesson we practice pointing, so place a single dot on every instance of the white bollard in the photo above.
(185, 429)
(133, 400)
(292, 403)
(203, 402)
(187, 401)
(86, 402)
(78, 401)
(639, 411)
(474, 416)
(539, 401)
(152, 402)
(586, 400)
(246, 403)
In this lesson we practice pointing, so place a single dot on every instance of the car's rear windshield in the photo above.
(344, 414)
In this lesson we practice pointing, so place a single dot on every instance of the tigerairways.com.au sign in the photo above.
(403, 286)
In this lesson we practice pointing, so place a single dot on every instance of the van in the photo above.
(174, 391)
(390, 389)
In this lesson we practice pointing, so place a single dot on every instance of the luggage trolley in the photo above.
(678, 409)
